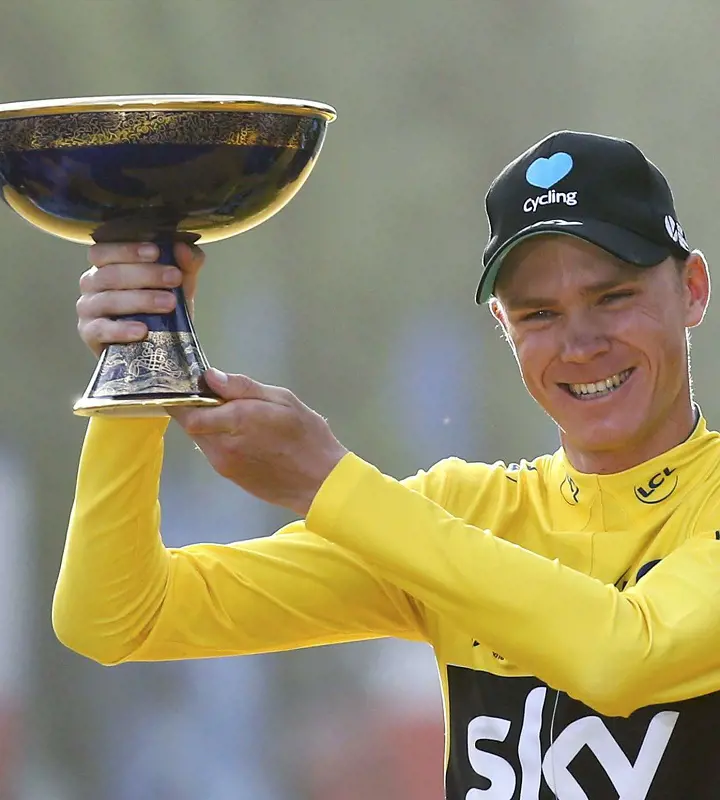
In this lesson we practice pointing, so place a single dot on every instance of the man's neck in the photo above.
(676, 429)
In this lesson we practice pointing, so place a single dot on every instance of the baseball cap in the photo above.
(597, 188)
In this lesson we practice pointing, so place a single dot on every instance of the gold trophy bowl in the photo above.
(161, 168)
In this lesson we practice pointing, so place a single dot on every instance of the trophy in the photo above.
(160, 168)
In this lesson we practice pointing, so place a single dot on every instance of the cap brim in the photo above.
(621, 243)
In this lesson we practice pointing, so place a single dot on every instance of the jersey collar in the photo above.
(650, 484)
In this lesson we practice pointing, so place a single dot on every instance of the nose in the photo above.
(582, 339)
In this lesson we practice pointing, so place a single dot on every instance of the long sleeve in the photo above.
(658, 641)
(122, 595)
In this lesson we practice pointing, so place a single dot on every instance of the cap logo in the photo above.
(675, 232)
(551, 198)
(546, 172)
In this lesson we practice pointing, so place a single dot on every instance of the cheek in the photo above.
(661, 337)
(672, 353)
(533, 354)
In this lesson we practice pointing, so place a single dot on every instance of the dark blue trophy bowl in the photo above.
(159, 168)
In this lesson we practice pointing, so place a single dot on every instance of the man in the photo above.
(573, 602)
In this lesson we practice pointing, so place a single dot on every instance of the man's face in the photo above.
(601, 344)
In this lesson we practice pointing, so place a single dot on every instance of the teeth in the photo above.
(600, 387)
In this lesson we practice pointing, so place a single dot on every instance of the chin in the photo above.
(605, 425)
(601, 439)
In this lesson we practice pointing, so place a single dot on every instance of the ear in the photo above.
(497, 310)
(696, 282)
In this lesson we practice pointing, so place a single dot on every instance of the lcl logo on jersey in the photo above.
(658, 488)
(570, 491)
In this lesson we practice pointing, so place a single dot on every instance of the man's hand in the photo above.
(264, 440)
(125, 279)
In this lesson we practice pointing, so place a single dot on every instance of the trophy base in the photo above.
(144, 378)
(139, 407)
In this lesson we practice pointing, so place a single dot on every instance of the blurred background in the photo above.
(359, 296)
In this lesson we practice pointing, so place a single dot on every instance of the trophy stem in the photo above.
(143, 379)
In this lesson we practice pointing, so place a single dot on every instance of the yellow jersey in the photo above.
(575, 618)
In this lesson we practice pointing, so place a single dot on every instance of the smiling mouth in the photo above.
(598, 389)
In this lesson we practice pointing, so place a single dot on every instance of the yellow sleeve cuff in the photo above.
(124, 431)
(331, 501)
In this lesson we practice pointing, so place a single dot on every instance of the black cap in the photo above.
(593, 187)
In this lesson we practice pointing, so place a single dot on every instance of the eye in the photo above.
(535, 316)
(620, 295)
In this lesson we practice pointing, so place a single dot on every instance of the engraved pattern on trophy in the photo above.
(92, 129)
(154, 363)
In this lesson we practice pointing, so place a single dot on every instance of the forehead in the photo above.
(551, 263)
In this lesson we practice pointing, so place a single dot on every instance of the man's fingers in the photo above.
(134, 266)
(226, 418)
(245, 400)
(233, 387)
(116, 304)
(241, 387)
(190, 259)
(103, 254)
(232, 417)
(129, 276)
(99, 332)
(126, 279)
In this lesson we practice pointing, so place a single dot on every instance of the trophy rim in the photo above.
(168, 102)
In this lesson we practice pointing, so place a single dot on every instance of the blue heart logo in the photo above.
(546, 172)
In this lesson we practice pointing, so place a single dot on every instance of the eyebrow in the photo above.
(515, 302)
